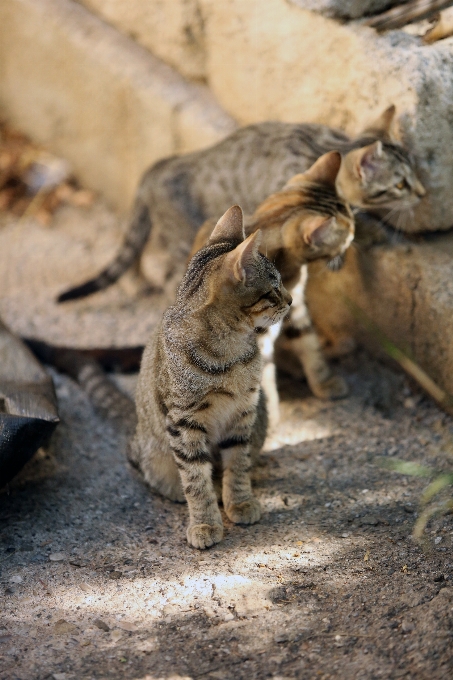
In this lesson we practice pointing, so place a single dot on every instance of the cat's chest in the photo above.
(228, 401)
(227, 411)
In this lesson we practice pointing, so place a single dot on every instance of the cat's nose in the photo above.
(289, 300)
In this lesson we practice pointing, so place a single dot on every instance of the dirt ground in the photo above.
(97, 580)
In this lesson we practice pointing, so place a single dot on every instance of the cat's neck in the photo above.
(219, 333)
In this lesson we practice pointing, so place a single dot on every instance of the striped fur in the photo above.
(305, 221)
(178, 194)
(201, 414)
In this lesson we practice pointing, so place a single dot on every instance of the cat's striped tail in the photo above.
(108, 401)
(131, 248)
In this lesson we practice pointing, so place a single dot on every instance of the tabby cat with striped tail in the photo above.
(178, 194)
(303, 222)
(200, 411)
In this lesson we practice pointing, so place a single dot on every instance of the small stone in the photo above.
(102, 625)
(345, 535)
(10, 591)
(370, 520)
(85, 587)
(437, 540)
(407, 627)
(116, 635)
(59, 676)
(127, 625)
(115, 575)
(57, 557)
(281, 638)
(16, 579)
(147, 646)
(62, 627)
(228, 617)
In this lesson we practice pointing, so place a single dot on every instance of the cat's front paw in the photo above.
(334, 387)
(247, 512)
(202, 536)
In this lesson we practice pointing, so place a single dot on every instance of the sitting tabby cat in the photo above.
(200, 410)
(303, 222)
(178, 194)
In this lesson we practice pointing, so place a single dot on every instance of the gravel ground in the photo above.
(97, 580)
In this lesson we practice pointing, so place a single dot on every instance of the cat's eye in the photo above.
(402, 185)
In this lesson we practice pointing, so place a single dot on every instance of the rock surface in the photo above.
(95, 97)
(405, 289)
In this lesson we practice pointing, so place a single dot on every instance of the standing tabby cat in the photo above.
(178, 194)
(303, 222)
(201, 413)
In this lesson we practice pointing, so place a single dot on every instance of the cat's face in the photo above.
(243, 282)
(385, 177)
(380, 175)
(309, 216)
(324, 236)
(261, 296)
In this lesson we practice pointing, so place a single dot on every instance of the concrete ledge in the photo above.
(408, 292)
(95, 97)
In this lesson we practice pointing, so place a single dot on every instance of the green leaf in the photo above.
(405, 467)
(436, 486)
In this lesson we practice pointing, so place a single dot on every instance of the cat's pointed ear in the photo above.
(230, 225)
(382, 126)
(242, 258)
(325, 169)
(368, 159)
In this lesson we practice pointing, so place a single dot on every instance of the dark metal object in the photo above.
(28, 405)
(407, 13)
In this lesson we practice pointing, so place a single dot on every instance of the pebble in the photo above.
(147, 646)
(62, 627)
(116, 635)
(115, 574)
(57, 557)
(59, 676)
(282, 637)
(99, 623)
(10, 591)
(16, 579)
(407, 627)
(85, 587)
(437, 540)
(370, 520)
(127, 625)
